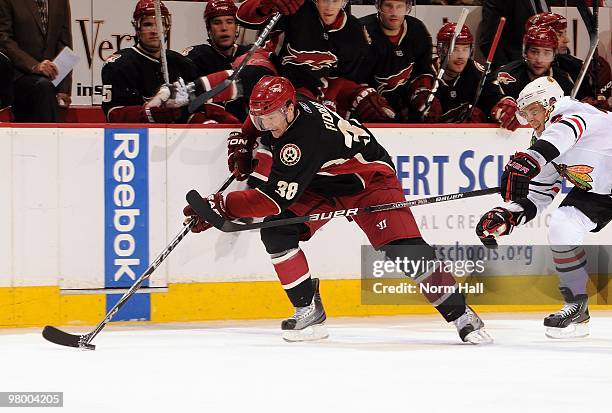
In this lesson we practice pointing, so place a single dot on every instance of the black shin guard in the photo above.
(301, 295)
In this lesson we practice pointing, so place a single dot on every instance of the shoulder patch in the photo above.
(505, 78)
(556, 118)
(290, 154)
(186, 50)
(112, 58)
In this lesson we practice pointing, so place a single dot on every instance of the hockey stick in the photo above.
(63, 338)
(593, 41)
(483, 77)
(162, 40)
(436, 85)
(206, 96)
(203, 209)
(595, 67)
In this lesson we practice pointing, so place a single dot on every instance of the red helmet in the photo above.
(445, 35)
(146, 8)
(554, 20)
(216, 8)
(271, 93)
(540, 36)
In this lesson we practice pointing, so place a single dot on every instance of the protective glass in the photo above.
(524, 115)
(271, 121)
(540, 54)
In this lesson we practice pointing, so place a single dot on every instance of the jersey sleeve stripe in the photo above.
(572, 127)
(578, 124)
(582, 120)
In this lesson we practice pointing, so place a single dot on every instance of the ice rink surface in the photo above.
(377, 364)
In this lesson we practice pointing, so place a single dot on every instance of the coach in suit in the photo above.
(32, 33)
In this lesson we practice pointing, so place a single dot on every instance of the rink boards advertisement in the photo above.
(102, 27)
(86, 209)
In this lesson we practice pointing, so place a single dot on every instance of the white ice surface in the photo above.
(379, 364)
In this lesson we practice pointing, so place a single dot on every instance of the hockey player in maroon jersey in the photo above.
(456, 92)
(221, 51)
(571, 64)
(135, 80)
(321, 161)
(400, 51)
(222, 30)
(321, 49)
(540, 45)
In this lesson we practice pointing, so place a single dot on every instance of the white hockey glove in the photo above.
(162, 95)
(179, 94)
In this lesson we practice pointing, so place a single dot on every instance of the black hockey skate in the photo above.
(572, 320)
(471, 328)
(307, 323)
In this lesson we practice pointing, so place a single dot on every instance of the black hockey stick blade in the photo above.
(203, 209)
(62, 338)
(196, 103)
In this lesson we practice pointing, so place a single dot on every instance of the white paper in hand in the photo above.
(65, 61)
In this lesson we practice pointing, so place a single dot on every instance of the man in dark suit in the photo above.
(32, 33)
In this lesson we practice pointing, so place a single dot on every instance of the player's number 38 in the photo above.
(287, 190)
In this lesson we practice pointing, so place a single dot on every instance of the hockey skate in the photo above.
(471, 328)
(572, 321)
(307, 323)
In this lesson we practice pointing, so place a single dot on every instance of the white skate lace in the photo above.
(302, 312)
(567, 309)
(465, 319)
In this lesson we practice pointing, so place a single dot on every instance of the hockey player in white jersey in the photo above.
(572, 140)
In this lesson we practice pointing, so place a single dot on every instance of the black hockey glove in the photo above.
(497, 223)
(519, 171)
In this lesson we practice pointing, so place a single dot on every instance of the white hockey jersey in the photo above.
(583, 136)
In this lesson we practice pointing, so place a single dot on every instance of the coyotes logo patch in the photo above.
(290, 154)
(505, 78)
(576, 174)
(387, 84)
(112, 58)
(315, 59)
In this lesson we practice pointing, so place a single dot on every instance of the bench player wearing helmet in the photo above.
(540, 45)
(221, 51)
(571, 140)
(134, 79)
(320, 161)
(459, 84)
(321, 49)
(571, 64)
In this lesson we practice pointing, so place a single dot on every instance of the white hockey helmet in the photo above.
(541, 90)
